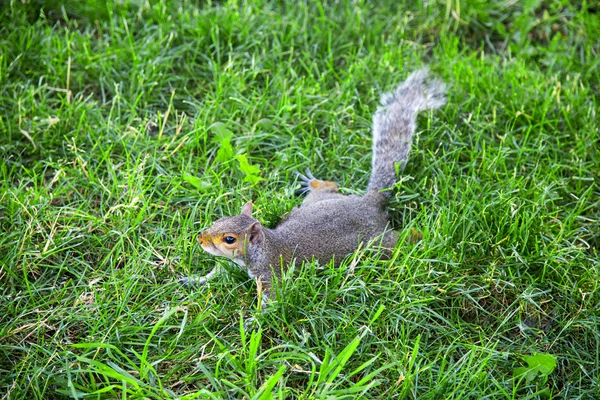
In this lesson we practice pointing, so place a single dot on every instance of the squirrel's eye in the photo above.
(229, 239)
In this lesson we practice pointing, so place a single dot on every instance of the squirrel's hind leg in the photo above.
(316, 189)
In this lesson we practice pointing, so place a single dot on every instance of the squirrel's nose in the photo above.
(201, 238)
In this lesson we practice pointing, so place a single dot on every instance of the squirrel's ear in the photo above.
(255, 233)
(247, 209)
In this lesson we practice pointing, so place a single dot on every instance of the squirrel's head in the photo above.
(231, 236)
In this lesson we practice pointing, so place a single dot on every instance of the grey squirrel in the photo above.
(329, 225)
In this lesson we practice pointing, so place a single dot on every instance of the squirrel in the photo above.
(329, 225)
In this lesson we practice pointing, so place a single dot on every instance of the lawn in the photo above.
(127, 127)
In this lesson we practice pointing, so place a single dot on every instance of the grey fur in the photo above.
(323, 229)
(329, 225)
(394, 124)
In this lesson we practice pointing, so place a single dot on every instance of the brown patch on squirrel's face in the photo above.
(221, 245)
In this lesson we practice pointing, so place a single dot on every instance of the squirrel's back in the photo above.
(334, 228)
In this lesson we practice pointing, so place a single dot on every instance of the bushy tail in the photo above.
(394, 124)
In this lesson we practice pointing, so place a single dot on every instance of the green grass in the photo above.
(109, 169)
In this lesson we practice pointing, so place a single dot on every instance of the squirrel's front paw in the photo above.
(193, 281)
(251, 324)
(196, 280)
